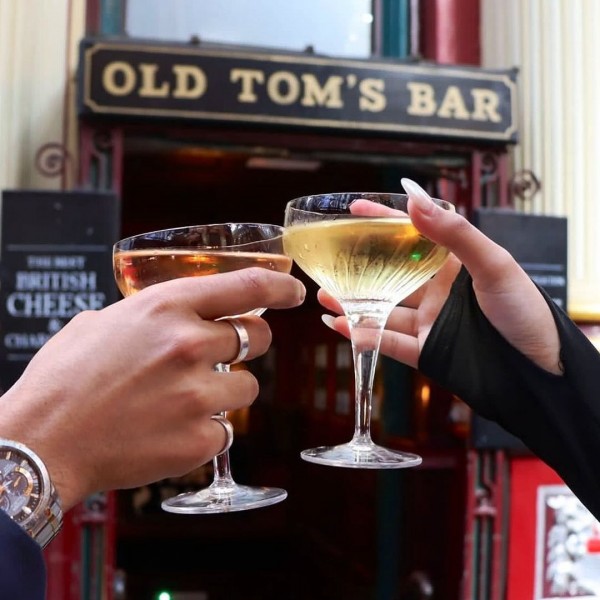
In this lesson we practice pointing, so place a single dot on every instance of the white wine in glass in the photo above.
(369, 264)
(196, 251)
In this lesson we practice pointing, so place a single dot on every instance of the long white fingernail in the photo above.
(329, 321)
(418, 195)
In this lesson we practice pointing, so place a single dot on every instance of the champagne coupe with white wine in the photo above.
(196, 251)
(369, 264)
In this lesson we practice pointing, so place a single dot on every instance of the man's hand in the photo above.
(123, 396)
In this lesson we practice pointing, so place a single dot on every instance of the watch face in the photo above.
(19, 485)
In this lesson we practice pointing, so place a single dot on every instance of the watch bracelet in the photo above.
(51, 526)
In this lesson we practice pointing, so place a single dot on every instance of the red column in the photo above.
(450, 31)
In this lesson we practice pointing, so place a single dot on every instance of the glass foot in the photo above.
(355, 456)
(236, 498)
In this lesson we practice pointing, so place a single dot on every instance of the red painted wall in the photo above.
(527, 475)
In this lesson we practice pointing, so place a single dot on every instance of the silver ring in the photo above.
(244, 339)
(228, 430)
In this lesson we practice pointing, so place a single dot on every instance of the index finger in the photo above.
(487, 262)
(367, 208)
(235, 293)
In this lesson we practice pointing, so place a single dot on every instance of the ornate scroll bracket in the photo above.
(54, 160)
(525, 185)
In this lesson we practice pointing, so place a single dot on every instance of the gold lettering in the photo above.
(148, 88)
(290, 82)
(485, 105)
(248, 77)
(109, 78)
(422, 101)
(453, 105)
(329, 95)
(190, 82)
(372, 98)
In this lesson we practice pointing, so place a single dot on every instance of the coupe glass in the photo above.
(369, 264)
(196, 251)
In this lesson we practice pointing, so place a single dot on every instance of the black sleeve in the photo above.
(22, 571)
(557, 417)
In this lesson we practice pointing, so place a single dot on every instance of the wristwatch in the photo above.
(27, 495)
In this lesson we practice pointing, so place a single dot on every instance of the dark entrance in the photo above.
(340, 533)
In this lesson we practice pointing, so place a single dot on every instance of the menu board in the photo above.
(55, 261)
(539, 244)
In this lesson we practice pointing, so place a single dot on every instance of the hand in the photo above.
(123, 396)
(505, 293)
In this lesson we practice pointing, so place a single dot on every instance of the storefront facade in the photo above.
(219, 132)
(191, 130)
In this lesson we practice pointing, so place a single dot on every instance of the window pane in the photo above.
(333, 27)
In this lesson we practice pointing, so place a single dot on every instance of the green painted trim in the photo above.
(396, 28)
(112, 20)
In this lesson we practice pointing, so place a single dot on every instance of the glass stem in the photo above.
(223, 482)
(365, 333)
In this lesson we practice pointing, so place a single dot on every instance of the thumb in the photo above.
(484, 259)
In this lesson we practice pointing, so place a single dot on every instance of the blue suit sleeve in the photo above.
(22, 570)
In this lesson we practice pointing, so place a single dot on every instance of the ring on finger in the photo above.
(244, 340)
(228, 431)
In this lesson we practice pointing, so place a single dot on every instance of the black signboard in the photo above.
(55, 261)
(153, 81)
(539, 244)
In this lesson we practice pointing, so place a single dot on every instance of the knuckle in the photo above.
(501, 262)
(460, 225)
(254, 279)
(190, 403)
(181, 344)
(206, 438)
(84, 318)
(197, 443)
(154, 301)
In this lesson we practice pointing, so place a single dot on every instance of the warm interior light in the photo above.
(283, 164)
(200, 152)
(425, 395)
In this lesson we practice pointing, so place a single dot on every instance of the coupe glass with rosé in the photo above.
(196, 251)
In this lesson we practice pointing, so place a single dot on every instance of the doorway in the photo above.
(339, 529)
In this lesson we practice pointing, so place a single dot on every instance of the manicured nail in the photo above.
(328, 320)
(418, 195)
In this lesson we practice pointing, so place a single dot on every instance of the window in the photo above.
(340, 28)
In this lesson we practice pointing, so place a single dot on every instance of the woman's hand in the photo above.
(505, 293)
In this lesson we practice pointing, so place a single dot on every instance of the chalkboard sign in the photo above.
(55, 261)
(539, 244)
